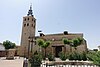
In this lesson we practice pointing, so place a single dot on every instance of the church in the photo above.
(28, 39)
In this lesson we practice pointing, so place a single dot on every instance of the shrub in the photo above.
(77, 56)
(51, 57)
(94, 56)
(62, 56)
(83, 56)
(35, 60)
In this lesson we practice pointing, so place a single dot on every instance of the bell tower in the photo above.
(28, 33)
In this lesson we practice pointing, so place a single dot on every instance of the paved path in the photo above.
(11, 63)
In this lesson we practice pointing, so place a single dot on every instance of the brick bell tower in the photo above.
(28, 34)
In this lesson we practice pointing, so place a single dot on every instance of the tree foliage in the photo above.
(94, 56)
(66, 41)
(40, 42)
(36, 60)
(43, 44)
(8, 44)
(46, 44)
(74, 42)
(62, 56)
(51, 57)
(77, 56)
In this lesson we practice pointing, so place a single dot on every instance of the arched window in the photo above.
(32, 25)
(24, 25)
(28, 19)
(25, 19)
(27, 24)
(32, 19)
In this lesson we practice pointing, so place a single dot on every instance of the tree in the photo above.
(73, 43)
(67, 42)
(43, 44)
(94, 56)
(77, 42)
(8, 44)
(40, 42)
(35, 60)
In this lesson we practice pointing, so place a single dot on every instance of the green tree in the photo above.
(8, 44)
(77, 42)
(94, 56)
(63, 56)
(43, 44)
(35, 60)
(67, 42)
(73, 43)
(40, 42)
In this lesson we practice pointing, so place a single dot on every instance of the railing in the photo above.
(69, 64)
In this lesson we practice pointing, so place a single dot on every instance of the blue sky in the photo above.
(53, 16)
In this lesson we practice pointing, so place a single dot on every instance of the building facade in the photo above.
(28, 39)
(58, 46)
(28, 33)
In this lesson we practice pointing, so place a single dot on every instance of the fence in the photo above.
(69, 64)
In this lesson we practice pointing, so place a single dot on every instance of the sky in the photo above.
(52, 16)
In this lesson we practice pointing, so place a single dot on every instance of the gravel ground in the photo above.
(11, 63)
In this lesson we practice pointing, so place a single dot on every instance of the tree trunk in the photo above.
(45, 53)
(70, 49)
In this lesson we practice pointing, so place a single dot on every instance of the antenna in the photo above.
(31, 6)
(30, 11)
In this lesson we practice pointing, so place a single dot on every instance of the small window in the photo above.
(32, 19)
(32, 25)
(25, 33)
(25, 19)
(28, 18)
(24, 25)
(27, 24)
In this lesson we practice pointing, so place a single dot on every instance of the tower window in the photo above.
(32, 25)
(24, 25)
(32, 19)
(25, 33)
(25, 19)
(27, 24)
(28, 18)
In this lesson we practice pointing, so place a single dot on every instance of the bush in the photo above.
(77, 56)
(51, 57)
(62, 56)
(94, 56)
(84, 57)
(73, 56)
(36, 60)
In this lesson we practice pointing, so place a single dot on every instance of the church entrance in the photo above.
(58, 49)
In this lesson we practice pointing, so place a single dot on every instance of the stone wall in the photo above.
(56, 40)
